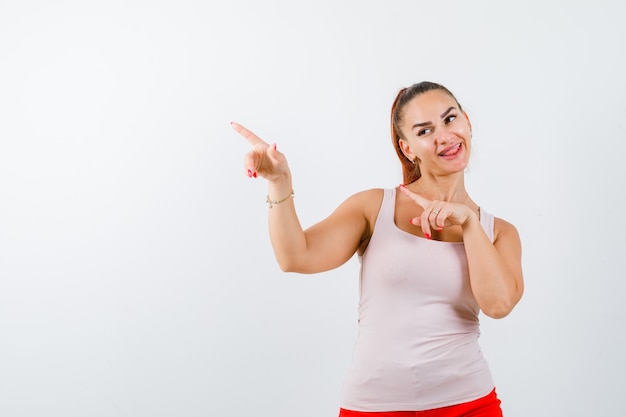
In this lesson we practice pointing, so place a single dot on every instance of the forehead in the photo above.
(428, 106)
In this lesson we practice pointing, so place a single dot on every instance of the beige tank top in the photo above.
(417, 344)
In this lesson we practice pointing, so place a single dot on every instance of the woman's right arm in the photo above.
(325, 245)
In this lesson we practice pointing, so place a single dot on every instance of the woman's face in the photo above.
(437, 132)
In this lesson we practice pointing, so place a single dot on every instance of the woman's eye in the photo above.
(424, 132)
(450, 118)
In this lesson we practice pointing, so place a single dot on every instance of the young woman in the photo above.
(431, 259)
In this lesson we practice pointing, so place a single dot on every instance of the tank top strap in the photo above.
(387, 209)
(486, 221)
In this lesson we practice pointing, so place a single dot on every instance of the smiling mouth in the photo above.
(451, 151)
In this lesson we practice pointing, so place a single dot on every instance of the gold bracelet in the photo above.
(272, 203)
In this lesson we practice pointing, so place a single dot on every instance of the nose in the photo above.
(444, 136)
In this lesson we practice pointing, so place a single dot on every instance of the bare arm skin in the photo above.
(495, 269)
(325, 245)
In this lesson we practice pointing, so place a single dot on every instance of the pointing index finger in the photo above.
(421, 201)
(248, 134)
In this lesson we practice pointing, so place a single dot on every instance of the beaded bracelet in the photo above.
(272, 203)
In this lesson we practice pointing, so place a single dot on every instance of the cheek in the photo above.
(465, 132)
(423, 150)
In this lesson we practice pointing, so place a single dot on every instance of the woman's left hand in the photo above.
(438, 214)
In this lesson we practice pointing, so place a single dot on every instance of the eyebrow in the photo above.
(444, 114)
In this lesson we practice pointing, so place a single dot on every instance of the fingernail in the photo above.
(251, 174)
(274, 146)
(440, 229)
(427, 235)
(254, 174)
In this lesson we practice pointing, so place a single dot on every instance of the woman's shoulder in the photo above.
(367, 201)
(503, 228)
(369, 193)
(372, 196)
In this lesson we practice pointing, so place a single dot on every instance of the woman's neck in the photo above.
(441, 188)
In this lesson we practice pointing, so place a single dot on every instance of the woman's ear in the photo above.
(406, 150)
(468, 120)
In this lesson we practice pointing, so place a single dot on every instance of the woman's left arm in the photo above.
(495, 269)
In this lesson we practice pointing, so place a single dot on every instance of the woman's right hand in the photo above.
(263, 159)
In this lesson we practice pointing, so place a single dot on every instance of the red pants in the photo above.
(487, 406)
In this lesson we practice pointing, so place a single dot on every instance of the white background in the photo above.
(136, 275)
